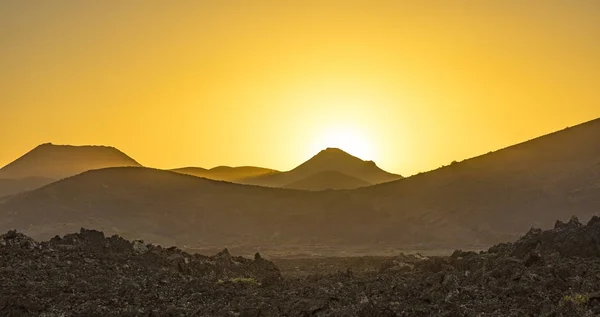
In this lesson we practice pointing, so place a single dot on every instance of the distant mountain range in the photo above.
(330, 169)
(470, 204)
(226, 173)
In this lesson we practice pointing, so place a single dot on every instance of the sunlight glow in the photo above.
(350, 139)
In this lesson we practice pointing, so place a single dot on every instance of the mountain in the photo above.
(328, 160)
(327, 180)
(161, 206)
(59, 161)
(470, 204)
(226, 173)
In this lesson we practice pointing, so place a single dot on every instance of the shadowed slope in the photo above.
(157, 205)
(59, 161)
(474, 203)
(528, 184)
(328, 180)
(11, 186)
(328, 160)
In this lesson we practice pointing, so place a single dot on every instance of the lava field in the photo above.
(545, 273)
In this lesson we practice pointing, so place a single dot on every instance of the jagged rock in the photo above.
(533, 258)
(401, 263)
(574, 222)
(570, 239)
(15, 239)
(593, 221)
(139, 247)
(396, 266)
(559, 224)
(223, 255)
(545, 273)
(462, 254)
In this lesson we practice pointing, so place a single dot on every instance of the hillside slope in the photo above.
(327, 180)
(471, 204)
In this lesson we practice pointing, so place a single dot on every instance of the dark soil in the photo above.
(545, 273)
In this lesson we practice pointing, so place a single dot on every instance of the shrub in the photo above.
(245, 280)
(240, 280)
(577, 300)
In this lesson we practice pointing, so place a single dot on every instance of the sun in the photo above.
(349, 139)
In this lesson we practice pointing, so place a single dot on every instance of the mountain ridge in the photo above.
(470, 204)
(226, 173)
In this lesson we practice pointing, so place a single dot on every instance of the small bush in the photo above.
(577, 300)
(245, 280)
(240, 280)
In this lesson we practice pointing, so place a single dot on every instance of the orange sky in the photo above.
(268, 83)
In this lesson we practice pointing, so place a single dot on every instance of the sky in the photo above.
(412, 85)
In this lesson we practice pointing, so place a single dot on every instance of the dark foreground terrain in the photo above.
(545, 273)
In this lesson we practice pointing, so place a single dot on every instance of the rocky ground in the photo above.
(545, 273)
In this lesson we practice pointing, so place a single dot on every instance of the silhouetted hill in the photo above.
(161, 206)
(470, 204)
(328, 180)
(10, 186)
(226, 173)
(328, 160)
(59, 161)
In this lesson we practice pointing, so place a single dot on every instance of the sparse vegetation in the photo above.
(246, 280)
(240, 280)
(577, 300)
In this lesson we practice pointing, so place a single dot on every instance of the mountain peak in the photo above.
(334, 149)
(335, 159)
(58, 161)
(49, 145)
(337, 155)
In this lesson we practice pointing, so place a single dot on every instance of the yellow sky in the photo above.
(413, 84)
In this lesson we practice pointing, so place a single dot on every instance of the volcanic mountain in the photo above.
(59, 161)
(331, 167)
(226, 173)
(48, 162)
(470, 204)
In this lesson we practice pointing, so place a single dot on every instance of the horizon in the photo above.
(409, 86)
(298, 163)
(172, 168)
